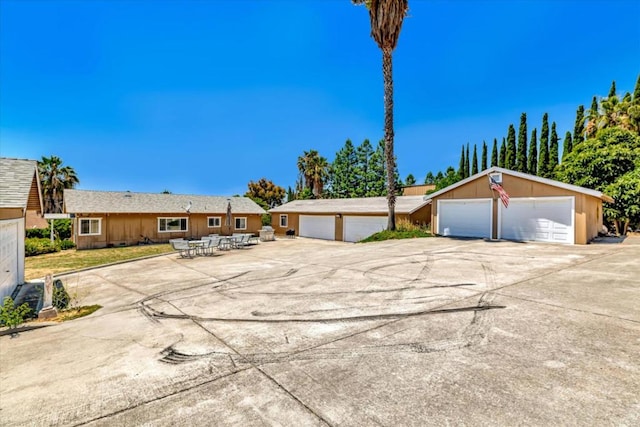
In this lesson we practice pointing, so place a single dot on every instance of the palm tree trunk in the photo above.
(388, 136)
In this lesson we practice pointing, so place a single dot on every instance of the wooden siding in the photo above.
(417, 190)
(588, 209)
(128, 229)
(10, 213)
(33, 202)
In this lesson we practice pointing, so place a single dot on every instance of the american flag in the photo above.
(503, 194)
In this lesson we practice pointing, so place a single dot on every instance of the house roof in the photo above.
(16, 178)
(534, 178)
(85, 201)
(369, 205)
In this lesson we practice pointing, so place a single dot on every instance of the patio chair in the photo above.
(241, 241)
(183, 247)
(212, 244)
(253, 239)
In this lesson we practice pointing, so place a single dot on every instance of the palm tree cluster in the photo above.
(313, 171)
(54, 179)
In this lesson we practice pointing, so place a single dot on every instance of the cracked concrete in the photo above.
(306, 332)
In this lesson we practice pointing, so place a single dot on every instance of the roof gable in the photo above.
(521, 175)
(85, 201)
(17, 177)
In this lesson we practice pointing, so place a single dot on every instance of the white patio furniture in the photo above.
(184, 248)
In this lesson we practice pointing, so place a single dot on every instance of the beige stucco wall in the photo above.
(588, 209)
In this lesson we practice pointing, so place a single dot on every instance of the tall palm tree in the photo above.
(54, 179)
(386, 18)
(314, 170)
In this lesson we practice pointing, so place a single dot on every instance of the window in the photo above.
(172, 224)
(90, 226)
(284, 220)
(213, 221)
(241, 223)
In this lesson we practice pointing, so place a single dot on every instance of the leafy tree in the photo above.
(483, 161)
(450, 177)
(521, 155)
(502, 161)
(429, 179)
(165, 191)
(601, 163)
(411, 180)
(314, 170)
(612, 90)
(265, 193)
(378, 167)
(386, 18)
(474, 162)
(54, 179)
(494, 153)
(634, 108)
(510, 162)
(567, 146)
(462, 167)
(578, 127)
(626, 192)
(613, 113)
(553, 148)
(592, 119)
(543, 158)
(533, 153)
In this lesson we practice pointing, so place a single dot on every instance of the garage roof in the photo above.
(85, 201)
(539, 179)
(368, 205)
(16, 178)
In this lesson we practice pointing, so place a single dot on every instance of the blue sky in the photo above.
(202, 96)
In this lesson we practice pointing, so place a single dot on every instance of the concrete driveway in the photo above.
(305, 332)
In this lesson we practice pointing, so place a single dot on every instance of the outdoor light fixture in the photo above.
(338, 215)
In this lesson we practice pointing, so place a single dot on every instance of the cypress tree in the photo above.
(467, 164)
(365, 175)
(553, 150)
(521, 157)
(474, 163)
(484, 156)
(533, 153)
(636, 92)
(462, 163)
(494, 153)
(503, 154)
(578, 127)
(543, 158)
(612, 90)
(511, 148)
(568, 145)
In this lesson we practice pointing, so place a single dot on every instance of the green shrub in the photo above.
(388, 235)
(13, 316)
(60, 298)
(35, 246)
(65, 244)
(38, 233)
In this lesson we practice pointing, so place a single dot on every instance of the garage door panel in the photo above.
(541, 219)
(465, 218)
(8, 256)
(357, 228)
(318, 226)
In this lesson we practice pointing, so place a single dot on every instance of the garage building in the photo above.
(19, 195)
(539, 209)
(348, 220)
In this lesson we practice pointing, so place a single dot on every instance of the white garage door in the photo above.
(465, 218)
(357, 228)
(539, 219)
(9, 256)
(318, 226)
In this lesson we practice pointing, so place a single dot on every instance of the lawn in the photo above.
(69, 260)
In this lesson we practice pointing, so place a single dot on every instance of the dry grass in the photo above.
(60, 262)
